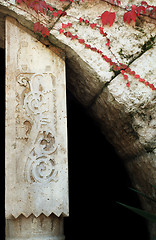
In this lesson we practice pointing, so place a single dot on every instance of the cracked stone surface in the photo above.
(128, 47)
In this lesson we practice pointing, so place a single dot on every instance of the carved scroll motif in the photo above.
(36, 160)
(40, 164)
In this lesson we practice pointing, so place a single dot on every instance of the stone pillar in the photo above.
(36, 138)
(42, 227)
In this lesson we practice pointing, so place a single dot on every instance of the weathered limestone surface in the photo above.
(127, 43)
(32, 228)
(127, 116)
(36, 137)
(89, 71)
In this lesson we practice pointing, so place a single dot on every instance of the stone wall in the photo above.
(127, 115)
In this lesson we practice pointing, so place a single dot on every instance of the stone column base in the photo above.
(32, 228)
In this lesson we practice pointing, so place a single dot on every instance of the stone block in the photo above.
(36, 127)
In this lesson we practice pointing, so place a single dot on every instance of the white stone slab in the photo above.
(36, 127)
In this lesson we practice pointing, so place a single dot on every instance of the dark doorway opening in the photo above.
(2, 143)
(97, 179)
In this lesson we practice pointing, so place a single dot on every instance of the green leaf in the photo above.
(146, 215)
(142, 194)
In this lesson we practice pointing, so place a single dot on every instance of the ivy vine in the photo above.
(107, 18)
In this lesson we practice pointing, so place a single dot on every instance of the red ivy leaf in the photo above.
(81, 41)
(45, 32)
(108, 17)
(146, 83)
(128, 84)
(108, 43)
(132, 73)
(64, 14)
(128, 16)
(61, 30)
(134, 7)
(50, 8)
(135, 11)
(74, 37)
(141, 80)
(141, 8)
(101, 30)
(59, 12)
(68, 34)
(38, 6)
(137, 76)
(81, 19)
(38, 27)
(86, 21)
(92, 25)
(20, 1)
(94, 49)
(144, 3)
(125, 77)
(151, 86)
(122, 71)
(87, 46)
(70, 25)
(64, 25)
(133, 15)
(55, 14)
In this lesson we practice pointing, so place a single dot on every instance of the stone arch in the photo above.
(126, 116)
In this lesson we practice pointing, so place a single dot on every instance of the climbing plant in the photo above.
(107, 18)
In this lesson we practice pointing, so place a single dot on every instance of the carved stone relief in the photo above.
(34, 105)
(36, 129)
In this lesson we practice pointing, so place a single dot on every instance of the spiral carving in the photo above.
(40, 165)
(41, 169)
(33, 102)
